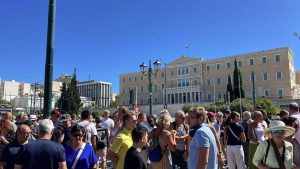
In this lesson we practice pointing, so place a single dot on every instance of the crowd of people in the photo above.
(196, 139)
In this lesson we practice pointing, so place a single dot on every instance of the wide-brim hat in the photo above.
(279, 125)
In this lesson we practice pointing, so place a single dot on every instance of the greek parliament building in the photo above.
(195, 80)
(97, 91)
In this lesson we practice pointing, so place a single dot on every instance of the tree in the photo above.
(229, 90)
(237, 82)
(62, 103)
(73, 96)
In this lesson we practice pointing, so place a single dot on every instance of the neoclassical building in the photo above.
(196, 80)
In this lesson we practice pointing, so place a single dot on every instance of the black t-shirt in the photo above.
(133, 160)
(237, 129)
(41, 153)
(67, 137)
(10, 153)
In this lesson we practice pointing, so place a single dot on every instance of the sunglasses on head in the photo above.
(277, 131)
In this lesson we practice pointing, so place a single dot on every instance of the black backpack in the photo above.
(102, 138)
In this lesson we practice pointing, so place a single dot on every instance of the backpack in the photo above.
(102, 138)
(86, 139)
(155, 151)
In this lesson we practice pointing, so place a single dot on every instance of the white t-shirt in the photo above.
(90, 127)
(108, 123)
(297, 135)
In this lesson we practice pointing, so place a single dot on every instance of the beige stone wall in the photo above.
(199, 71)
(298, 78)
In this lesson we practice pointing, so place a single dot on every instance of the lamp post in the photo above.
(149, 73)
(34, 85)
(49, 59)
(253, 89)
(165, 88)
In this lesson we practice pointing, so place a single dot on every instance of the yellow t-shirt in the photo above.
(122, 142)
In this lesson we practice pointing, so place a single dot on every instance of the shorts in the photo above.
(101, 153)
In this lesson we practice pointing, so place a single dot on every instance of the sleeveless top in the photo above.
(258, 133)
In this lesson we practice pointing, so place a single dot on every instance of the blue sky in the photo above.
(103, 39)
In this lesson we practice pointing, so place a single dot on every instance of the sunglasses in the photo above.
(277, 131)
(77, 135)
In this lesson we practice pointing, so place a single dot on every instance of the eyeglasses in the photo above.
(277, 131)
(77, 135)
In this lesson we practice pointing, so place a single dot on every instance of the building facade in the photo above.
(195, 80)
(11, 89)
(98, 91)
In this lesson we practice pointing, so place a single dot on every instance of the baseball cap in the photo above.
(210, 114)
(65, 117)
(55, 112)
(46, 125)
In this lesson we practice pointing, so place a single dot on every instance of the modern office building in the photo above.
(98, 91)
(198, 80)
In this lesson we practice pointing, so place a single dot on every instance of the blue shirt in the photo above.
(203, 138)
(86, 160)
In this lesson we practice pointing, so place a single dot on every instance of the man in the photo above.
(86, 122)
(55, 115)
(244, 123)
(66, 123)
(142, 121)
(122, 141)
(9, 117)
(42, 153)
(107, 122)
(294, 112)
(203, 148)
(133, 159)
(10, 152)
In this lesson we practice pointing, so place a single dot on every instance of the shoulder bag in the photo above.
(78, 155)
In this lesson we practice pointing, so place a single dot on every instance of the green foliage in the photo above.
(247, 105)
(229, 90)
(186, 107)
(96, 114)
(62, 103)
(237, 82)
(74, 101)
(5, 102)
(268, 106)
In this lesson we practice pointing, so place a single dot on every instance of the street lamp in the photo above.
(149, 73)
(165, 89)
(253, 89)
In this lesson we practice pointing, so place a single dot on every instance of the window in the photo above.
(219, 96)
(278, 74)
(155, 100)
(251, 61)
(195, 70)
(123, 91)
(162, 86)
(142, 77)
(123, 80)
(264, 60)
(142, 101)
(280, 92)
(135, 78)
(240, 63)
(218, 81)
(172, 73)
(182, 70)
(218, 66)
(129, 79)
(208, 82)
(277, 57)
(267, 93)
(266, 76)
(208, 97)
(207, 68)
(162, 74)
(179, 71)
(186, 70)
(195, 82)
(155, 87)
(228, 65)
(142, 89)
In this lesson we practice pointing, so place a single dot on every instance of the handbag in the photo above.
(78, 155)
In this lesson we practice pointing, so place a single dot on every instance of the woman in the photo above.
(292, 122)
(7, 135)
(182, 131)
(87, 159)
(234, 137)
(265, 155)
(166, 141)
(255, 134)
(58, 135)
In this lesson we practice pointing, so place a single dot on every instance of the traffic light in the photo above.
(132, 96)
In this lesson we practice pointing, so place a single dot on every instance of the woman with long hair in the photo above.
(256, 135)
(234, 137)
(80, 155)
(166, 141)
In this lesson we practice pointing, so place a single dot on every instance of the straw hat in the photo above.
(279, 125)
